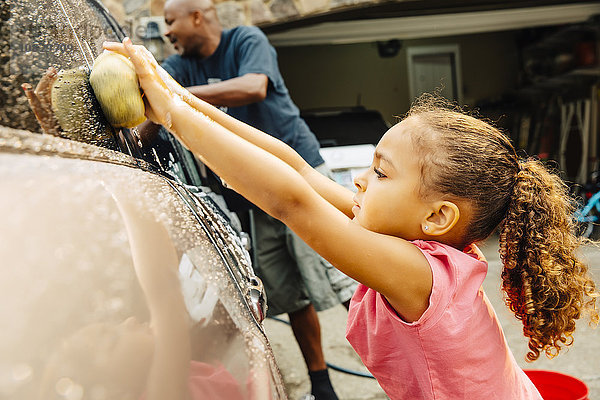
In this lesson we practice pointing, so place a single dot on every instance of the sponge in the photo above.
(116, 87)
(77, 110)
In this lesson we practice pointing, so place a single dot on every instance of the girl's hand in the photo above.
(120, 48)
(168, 80)
(158, 98)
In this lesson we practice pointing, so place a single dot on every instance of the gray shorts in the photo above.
(293, 274)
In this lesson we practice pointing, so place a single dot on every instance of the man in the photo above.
(237, 70)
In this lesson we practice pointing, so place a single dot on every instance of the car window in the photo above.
(68, 35)
(71, 280)
(38, 34)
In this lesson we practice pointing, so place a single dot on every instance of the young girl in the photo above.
(440, 181)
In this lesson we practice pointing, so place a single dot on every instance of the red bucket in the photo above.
(556, 386)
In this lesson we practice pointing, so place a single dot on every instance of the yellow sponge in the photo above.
(116, 87)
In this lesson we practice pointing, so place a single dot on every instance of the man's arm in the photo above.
(148, 131)
(235, 92)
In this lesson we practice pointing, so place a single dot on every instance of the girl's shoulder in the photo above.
(451, 267)
(435, 249)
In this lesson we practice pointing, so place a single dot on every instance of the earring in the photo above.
(426, 227)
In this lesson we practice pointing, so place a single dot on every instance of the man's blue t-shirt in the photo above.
(243, 50)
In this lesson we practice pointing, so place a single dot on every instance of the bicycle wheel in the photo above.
(587, 217)
(593, 229)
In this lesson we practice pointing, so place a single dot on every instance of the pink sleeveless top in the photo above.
(456, 350)
(209, 382)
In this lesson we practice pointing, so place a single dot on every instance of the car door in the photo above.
(68, 264)
(68, 254)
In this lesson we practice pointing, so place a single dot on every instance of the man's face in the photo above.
(180, 29)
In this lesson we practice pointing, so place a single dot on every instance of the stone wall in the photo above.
(241, 12)
(134, 14)
(257, 12)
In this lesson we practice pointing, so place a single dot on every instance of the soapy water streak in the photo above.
(83, 53)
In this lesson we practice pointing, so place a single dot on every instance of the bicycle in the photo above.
(588, 214)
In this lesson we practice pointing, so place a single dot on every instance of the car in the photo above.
(117, 265)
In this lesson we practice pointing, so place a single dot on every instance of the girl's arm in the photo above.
(155, 261)
(336, 194)
(390, 265)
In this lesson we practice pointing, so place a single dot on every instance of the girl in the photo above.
(440, 181)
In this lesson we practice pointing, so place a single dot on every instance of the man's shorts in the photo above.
(293, 274)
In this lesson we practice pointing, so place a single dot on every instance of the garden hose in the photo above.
(333, 366)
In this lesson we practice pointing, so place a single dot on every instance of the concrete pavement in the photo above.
(581, 360)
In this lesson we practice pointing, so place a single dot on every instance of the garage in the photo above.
(530, 67)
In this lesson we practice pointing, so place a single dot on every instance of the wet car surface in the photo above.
(75, 268)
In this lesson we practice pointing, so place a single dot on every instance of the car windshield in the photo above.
(67, 35)
(64, 34)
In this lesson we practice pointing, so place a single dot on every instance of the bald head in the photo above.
(189, 5)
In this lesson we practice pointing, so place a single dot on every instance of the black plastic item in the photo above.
(152, 31)
(389, 48)
(345, 126)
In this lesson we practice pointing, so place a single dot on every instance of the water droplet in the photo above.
(168, 123)
(115, 304)
(69, 389)
(22, 372)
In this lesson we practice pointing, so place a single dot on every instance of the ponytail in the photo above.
(547, 286)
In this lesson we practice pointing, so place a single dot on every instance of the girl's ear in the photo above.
(442, 219)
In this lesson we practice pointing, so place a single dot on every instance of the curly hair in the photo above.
(546, 284)
(547, 287)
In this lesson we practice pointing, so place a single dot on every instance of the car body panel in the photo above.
(67, 263)
(67, 254)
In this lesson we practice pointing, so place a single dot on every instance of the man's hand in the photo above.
(40, 101)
